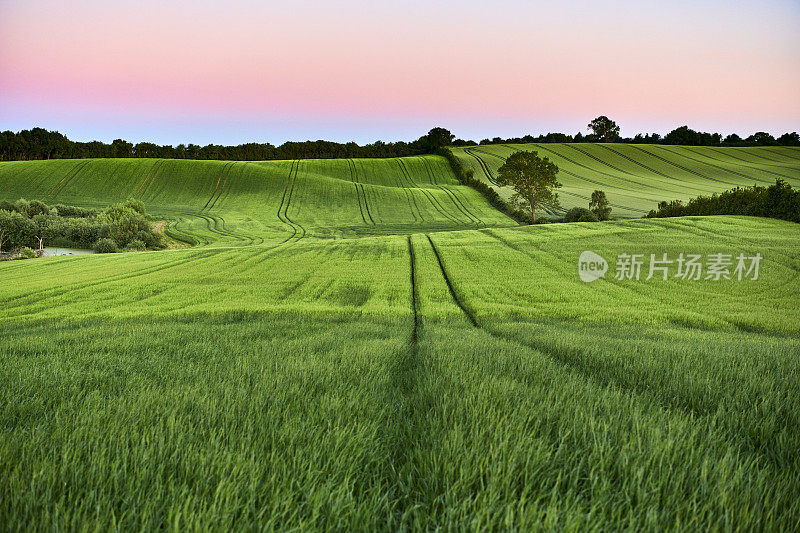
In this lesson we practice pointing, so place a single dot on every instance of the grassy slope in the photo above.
(458, 379)
(238, 203)
(636, 177)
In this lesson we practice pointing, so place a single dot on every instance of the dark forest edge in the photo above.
(39, 143)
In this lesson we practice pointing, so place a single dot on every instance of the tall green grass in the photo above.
(321, 385)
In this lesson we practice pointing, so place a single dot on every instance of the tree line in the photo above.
(603, 129)
(39, 143)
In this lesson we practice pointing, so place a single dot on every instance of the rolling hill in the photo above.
(437, 367)
(636, 177)
(240, 203)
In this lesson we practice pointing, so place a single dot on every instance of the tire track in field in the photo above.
(583, 364)
(147, 177)
(62, 184)
(216, 224)
(223, 190)
(682, 186)
(286, 200)
(719, 167)
(414, 293)
(430, 197)
(777, 152)
(771, 162)
(153, 178)
(409, 196)
(283, 201)
(685, 169)
(453, 216)
(355, 184)
(742, 160)
(354, 179)
(216, 187)
(404, 174)
(482, 164)
(465, 204)
(456, 298)
(632, 181)
(470, 218)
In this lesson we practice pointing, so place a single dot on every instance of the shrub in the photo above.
(35, 207)
(21, 206)
(105, 246)
(72, 211)
(27, 253)
(576, 214)
(135, 205)
(136, 245)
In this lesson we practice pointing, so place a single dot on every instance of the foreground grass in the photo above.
(276, 422)
(462, 380)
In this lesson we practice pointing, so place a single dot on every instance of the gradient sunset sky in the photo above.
(240, 71)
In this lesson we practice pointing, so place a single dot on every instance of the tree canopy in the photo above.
(599, 205)
(604, 129)
(533, 179)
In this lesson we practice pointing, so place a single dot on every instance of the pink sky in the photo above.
(238, 71)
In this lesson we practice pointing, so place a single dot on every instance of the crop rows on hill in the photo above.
(635, 178)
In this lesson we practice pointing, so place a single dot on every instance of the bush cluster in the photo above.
(126, 225)
(779, 201)
(580, 214)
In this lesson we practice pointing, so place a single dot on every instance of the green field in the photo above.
(636, 177)
(369, 345)
(244, 203)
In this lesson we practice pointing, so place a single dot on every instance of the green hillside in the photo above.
(441, 369)
(636, 177)
(236, 203)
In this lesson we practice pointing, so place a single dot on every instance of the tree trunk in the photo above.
(533, 211)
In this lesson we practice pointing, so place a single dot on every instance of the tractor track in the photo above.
(712, 165)
(62, 184)
(746, 162)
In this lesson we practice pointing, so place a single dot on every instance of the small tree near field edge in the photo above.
(533, 179)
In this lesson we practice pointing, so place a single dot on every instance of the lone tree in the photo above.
(605, 129)
(533, 179)
(599, 205)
